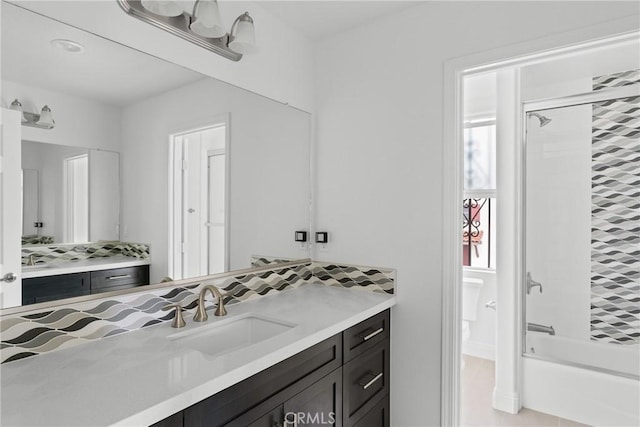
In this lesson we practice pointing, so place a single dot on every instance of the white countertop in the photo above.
(82, 265)
(141, 377)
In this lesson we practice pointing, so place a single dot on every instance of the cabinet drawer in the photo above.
(378, 416)
(104, 280)
(365, 381)
(365, 335)
(50, 288)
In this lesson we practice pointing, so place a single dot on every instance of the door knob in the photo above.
(9, 277)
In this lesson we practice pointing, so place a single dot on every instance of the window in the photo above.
(479, 204)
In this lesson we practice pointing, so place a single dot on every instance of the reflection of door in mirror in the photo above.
(30, 204)
(76, 199)
(200, 202)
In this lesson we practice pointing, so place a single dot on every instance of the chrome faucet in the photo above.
(201, 313)
(534, 327)
(532, 284)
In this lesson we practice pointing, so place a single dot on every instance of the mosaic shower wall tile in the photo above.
(63, 253)
(615, 215)
(36, 332)
(624, 78)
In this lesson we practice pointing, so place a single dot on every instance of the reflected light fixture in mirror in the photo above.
(44, 120)
(202, 26)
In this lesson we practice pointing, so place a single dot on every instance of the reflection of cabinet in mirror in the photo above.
(50, 288)
(72, 192)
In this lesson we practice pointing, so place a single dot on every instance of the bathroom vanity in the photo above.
(343, 379)
(314, 349)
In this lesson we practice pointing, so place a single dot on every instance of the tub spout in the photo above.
(534, 327)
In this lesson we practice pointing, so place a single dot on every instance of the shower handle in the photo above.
(532, 284)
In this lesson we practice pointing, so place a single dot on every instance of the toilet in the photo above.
(470, 295)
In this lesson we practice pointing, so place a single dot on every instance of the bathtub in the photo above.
(582, 393)
(620, 359)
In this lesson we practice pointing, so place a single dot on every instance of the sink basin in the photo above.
(225, 336)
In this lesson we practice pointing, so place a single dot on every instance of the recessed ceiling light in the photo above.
(67, 45)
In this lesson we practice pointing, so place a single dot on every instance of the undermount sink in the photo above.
(228, 335)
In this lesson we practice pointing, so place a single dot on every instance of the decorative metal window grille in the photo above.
(477, 232)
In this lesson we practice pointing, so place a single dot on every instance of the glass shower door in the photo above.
(582, 234)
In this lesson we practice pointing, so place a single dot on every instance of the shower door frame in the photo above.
(537, 106)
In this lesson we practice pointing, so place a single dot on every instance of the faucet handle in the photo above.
(220, 310)
(178, 320)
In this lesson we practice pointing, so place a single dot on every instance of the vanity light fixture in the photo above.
(201, 26)
(44, 120)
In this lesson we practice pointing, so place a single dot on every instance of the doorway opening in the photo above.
(553, 73)
(199, 202)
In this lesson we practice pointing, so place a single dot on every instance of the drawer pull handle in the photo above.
(366, 335)
(366, 384)
(122, 276)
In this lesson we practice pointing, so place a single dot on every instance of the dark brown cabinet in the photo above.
(51, 288)
(119, 278)
(365, 380)
(342, 381)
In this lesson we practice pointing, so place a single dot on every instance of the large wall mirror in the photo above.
(161, 154)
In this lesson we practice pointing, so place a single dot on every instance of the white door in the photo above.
(199, 202)
(216, 223)
(10, 209)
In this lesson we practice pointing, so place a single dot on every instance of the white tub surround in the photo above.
(581, 395)
(142, 377)
(82, 265)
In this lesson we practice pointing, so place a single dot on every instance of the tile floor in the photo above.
(476, 409)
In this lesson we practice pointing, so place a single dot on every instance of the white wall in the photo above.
(281, 70)
(379, 157)
(269, 169)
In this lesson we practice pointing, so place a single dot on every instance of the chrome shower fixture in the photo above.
(544, 120)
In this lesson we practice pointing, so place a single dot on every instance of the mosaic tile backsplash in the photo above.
(32, 333)
(615, 214)
(74, 252)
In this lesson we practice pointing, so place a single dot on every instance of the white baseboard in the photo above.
(479, 349)
(506, 402)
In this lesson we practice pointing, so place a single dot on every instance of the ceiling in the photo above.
(320, 19)
(106, 72)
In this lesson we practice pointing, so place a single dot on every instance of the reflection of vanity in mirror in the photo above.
(148, 163)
